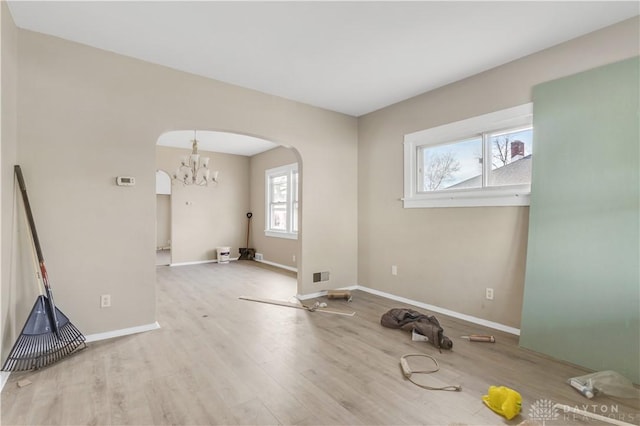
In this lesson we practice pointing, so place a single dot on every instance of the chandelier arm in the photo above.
(194, 170)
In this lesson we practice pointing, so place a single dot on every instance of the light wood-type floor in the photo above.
(221, 360)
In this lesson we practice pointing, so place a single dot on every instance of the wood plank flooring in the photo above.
(221, 360)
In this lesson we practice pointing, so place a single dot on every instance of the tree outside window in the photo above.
(480, 161)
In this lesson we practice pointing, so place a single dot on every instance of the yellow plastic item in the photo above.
(504, 401)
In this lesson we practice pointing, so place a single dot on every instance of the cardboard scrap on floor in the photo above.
(24, 382)
(297, 306)
(339, 294)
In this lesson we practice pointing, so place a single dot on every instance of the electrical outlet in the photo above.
(489, 293)
(394, 270)
(294, 257)
(105, 301)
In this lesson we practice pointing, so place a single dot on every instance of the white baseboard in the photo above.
(199, 262)
(4, 377)
(277, 265)
(122, 332)
(454, 314)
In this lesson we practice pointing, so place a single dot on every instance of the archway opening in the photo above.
(207, 216)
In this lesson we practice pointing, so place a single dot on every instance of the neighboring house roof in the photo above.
(513, 173)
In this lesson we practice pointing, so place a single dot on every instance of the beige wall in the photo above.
(10, 295)
(448, 256)
(206, 217)
(276, 250)
(163, 220)
(87, 116)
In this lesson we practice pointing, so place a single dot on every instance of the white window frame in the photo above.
(511, 195)
(288, 170)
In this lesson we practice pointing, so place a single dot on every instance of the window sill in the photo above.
(487, 197)
(279, 234)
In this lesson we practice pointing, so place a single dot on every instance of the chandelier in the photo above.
(194, 170)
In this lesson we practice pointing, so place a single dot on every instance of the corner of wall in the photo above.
(8, 157)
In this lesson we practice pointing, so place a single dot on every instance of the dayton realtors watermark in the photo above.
(545, 410)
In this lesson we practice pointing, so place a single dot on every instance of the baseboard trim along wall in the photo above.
(454, 314)
(198, 262)
(122, 332)
(277, 265)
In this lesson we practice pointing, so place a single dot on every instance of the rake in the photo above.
(48, 335)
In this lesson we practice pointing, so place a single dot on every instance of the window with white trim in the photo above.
(481, 161)
(281, 195)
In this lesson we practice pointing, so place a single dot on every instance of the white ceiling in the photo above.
(349, 57)
(228, 143)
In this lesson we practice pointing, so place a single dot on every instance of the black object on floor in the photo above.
(247, 253)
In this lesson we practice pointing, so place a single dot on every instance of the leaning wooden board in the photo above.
(297, 306)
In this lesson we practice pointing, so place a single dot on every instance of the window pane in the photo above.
(294, 185)
(282, 201)
(510, 157)
(294, 225)
(294, 203)
(279, 189)
(452, 166)
(278, 217)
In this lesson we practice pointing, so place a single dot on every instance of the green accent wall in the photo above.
(582, 283)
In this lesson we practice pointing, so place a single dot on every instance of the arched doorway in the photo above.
(204, 217)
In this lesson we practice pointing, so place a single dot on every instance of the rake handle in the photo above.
(27, 207)
(36, 243)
